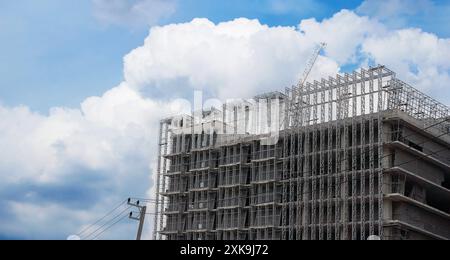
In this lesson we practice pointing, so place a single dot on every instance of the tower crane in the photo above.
(294, 104)
(312, 60)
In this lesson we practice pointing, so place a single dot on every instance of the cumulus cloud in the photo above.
(68, 136)
(68, 167)
(243, 57)
(420, 58)
(133, 12)
(344, 33)
(230, 59)
(75, 163)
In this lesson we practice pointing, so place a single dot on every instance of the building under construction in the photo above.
(353, 157)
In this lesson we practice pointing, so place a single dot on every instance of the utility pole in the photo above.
(140, 218)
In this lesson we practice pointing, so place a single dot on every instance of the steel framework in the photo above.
(322, 179)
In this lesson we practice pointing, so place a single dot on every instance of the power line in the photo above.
(433, 153)
(117, 216)
(144, 199)
(106, 229)
(98, 221)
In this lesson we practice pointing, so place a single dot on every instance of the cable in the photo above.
(118, 215)
(435, 152)
(98, 221)
(106, 229)
(143, 199)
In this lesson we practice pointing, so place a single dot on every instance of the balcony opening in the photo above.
(415, 146)
(446, 183)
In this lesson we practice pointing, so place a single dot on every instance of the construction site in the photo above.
(359, 156)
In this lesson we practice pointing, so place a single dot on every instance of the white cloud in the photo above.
(420, 58)
(76, 160)
(344, 33)
(242, 57)
(85, 134)
(133, 12)
(231, 59)
(72, 165)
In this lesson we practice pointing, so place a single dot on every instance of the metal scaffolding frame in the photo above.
(323, 179)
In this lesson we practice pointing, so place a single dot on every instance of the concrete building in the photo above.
(357, 156)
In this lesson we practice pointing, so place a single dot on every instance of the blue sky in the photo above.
(56, 53)
(84, 84)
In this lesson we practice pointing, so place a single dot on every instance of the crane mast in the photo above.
(312, 60)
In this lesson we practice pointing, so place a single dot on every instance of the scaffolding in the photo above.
(224, 177)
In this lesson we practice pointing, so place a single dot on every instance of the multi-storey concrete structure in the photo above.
(352, 157)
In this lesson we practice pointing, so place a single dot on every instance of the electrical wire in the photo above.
(109, 227)
(433, 153)
(98, 221)
(105, 224)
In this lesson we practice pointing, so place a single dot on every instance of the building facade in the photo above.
(355, 157)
